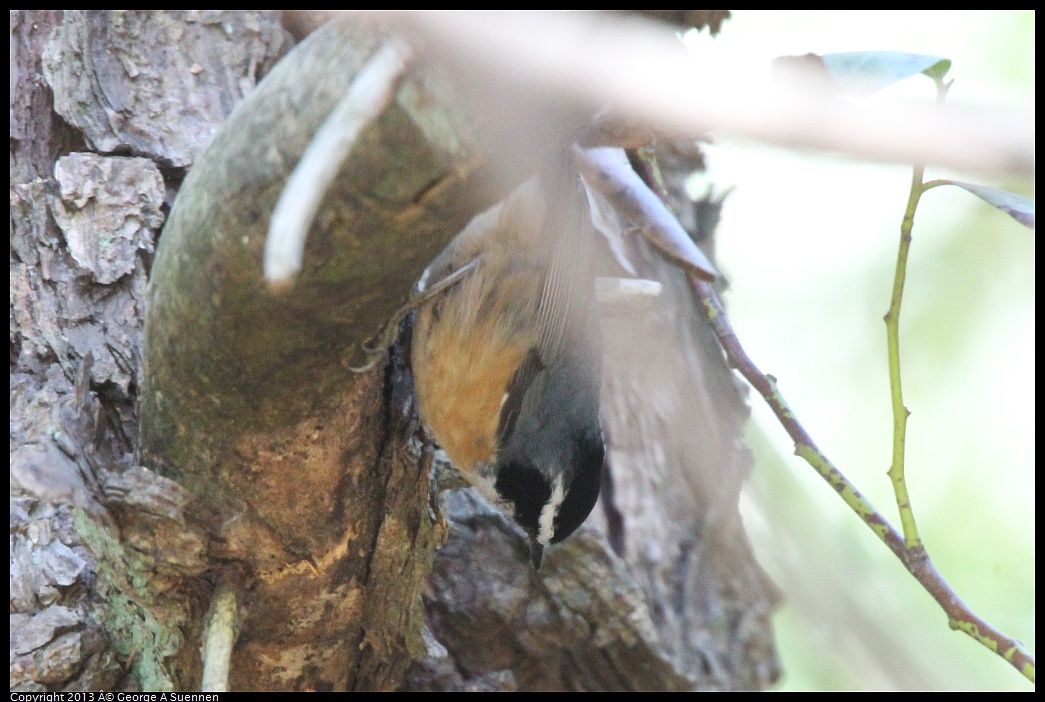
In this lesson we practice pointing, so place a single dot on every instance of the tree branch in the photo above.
(639, 68)
(913, 555)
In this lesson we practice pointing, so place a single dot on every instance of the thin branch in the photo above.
(805, 447)
(913, 556)
(892, 333)
(916, 560)
(369, 94)
(897, 473)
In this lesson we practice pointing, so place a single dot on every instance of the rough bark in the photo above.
(95, 543)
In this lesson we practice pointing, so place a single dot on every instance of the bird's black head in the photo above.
(546, 507)
(526, 489)
(583, 491)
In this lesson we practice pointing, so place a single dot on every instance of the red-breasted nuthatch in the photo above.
(507, 359)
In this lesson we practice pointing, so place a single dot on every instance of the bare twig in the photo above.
(897, 473)
(915, 559)
(369, 94)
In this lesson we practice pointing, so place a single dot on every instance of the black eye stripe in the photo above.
(526, 489)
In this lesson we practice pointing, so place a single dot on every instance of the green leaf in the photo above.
(1016, 206)
(862, 73)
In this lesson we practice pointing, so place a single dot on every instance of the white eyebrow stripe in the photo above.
(546, 522)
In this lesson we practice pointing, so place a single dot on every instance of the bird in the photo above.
(507, 356)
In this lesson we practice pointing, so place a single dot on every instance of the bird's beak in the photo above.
(536, 553)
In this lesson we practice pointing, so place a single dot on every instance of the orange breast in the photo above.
(464, 361)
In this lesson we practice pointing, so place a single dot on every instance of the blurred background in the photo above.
(809, 244)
